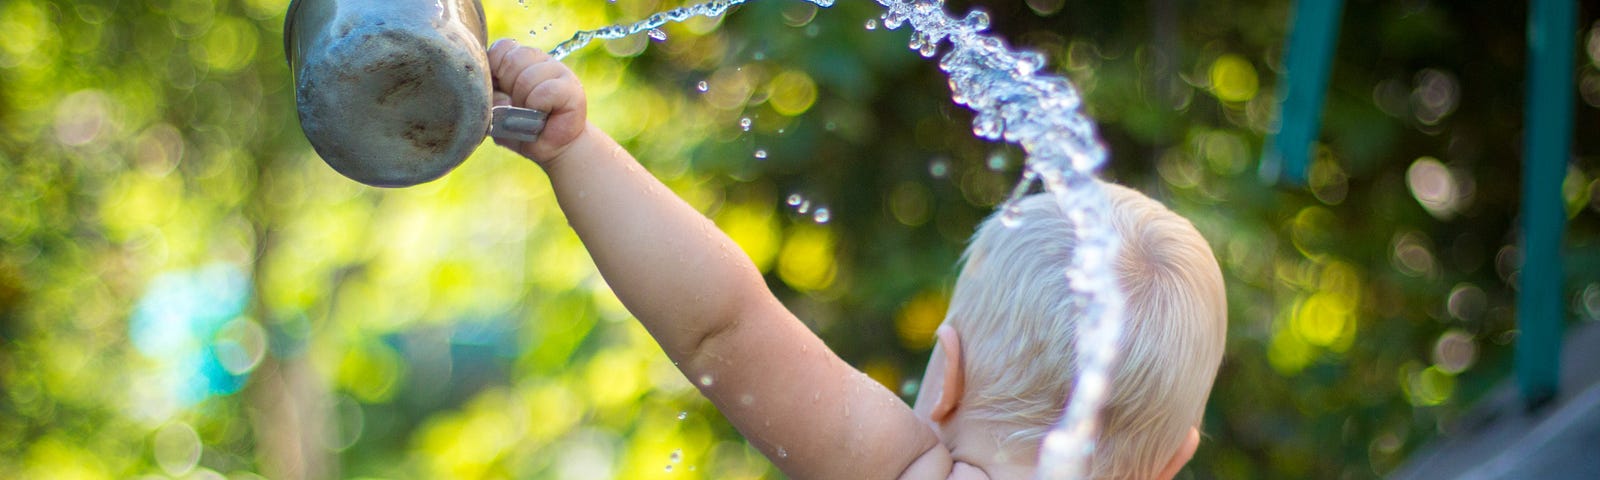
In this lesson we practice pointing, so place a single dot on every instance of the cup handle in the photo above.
(517, 124)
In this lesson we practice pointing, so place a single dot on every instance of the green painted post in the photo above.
(1547, 143)
(1307, 67)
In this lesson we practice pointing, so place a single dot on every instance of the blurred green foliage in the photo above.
(186, 290)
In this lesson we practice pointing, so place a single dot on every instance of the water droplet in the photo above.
(683, 415)
(657, 34)
(669, 467)
(805, 206)
(676, 456)
(986, 125)
(939, 168)
(706, 380)
(761, 153)
(758, 56)
(822, 215)
(872, 24)
(744, 124)
(747, 400)
(782, 453)
(910, 387)
(1012, 216)
(702, 86)
(794, 200)
(997, 161)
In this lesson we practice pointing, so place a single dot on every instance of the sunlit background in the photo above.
(187, 291)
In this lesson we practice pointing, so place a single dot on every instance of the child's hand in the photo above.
(528, 78)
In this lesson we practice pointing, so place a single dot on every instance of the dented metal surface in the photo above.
(390, 93)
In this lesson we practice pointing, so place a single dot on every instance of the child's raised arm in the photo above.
(703, 300)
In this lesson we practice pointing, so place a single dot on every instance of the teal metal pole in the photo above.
(1307, 67)
(1547, 143)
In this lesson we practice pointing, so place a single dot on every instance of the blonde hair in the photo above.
(1018, 328)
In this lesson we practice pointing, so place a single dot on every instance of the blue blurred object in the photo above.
(1308, 65)
(1547, 145)
(176, 323)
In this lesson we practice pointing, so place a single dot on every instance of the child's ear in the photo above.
(953, 384)
(1191, 442)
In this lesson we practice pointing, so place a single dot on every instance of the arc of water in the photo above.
(714, 8)
(1040, 112)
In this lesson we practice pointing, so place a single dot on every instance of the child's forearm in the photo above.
(704, 301)
(671, 267)
(706, 304)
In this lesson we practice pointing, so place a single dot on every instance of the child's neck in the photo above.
(978, 443)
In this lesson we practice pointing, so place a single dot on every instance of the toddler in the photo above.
(1001, 367)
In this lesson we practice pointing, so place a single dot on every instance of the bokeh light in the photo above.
(1233, 79)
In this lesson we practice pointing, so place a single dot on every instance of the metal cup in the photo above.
(391, 93)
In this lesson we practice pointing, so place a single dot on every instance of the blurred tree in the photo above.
(185, 288)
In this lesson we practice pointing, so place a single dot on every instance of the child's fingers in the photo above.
(507, 59)
(497, 51)
(568, 107)
(531, 78)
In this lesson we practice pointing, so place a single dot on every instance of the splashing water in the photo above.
(1013, 102)
(713, 9)
(1039, 112)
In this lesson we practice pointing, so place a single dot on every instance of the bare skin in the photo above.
(707, 305)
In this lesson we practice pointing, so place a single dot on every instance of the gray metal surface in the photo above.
(390, 93)
(519, 124)
(1500, 439)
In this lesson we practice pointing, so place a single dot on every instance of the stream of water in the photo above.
(1014, 101)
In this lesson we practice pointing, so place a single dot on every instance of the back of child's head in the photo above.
(1018, 327)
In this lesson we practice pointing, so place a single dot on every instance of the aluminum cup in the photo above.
(391, 93)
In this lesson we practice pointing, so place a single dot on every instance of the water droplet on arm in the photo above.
(794, 200)
(761, 154)
(702, 86)
(744, 124)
